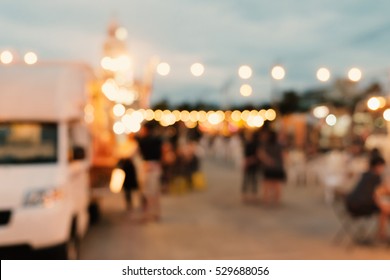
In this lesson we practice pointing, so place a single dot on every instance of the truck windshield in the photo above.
(28, 142)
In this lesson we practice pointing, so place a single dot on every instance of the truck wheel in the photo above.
(70, 250)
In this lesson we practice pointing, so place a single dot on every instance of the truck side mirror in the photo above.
(78, 153)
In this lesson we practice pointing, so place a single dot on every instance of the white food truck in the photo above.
(44, 156)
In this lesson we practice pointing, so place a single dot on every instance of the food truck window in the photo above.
(78, 141)
(28, 142)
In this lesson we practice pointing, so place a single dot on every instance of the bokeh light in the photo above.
(321, 112)
(323, 74)
(270, 114)
(110, 89)
(163, 69)
(278, 72)
(131, 124)
(386, 115)
(236, 116)
(245, 72)
(246, 90)
(185, 116)
(355, 74)
(30, 58)
(202, 116)
(176, 113)
(190, 124)
(214, 118)
(197, 69)
(149, 115)
(158, 115)
(120, 63)
(119, 110)
(6, 57)
(121, 33)
(373, 103)
(245, 115)
(255, 121)
(119, 128)
(331, 120)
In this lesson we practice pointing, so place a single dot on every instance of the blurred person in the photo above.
(312, 164)
(375, 153)
(364, 198)
(219, 148)
(296, 167)
(197, 153)
(185, 164)
(205, 143)
(127, 153)
(130, 183)
(250, 167)
(150, 147)
(168, 161)
(193, 157)
(236, 150)
(333, 172)
(357, 162)
(272, 161)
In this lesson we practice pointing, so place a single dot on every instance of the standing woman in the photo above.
(127, 153)
(130, 183)
(272, 160)
(250, 167)
(150, 147)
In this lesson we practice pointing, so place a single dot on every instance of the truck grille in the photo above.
(4, 217)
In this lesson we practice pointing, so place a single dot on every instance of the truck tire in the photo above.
(70, 250)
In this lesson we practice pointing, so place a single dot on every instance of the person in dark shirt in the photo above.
(361, 201)
(250, 166)
(150, 147)
(130, 183)
(272, 156)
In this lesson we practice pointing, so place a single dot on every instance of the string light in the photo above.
(246, 90)
(124, 63)
(197, 69)
(131, 120)
(163, 69)
(30, 58)
(6, 57)
(323, 74)
(355, 74)
(245, 72)
(278, 72)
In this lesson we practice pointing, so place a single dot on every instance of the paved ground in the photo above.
(215, 224)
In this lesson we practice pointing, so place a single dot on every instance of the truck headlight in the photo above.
(46, 197)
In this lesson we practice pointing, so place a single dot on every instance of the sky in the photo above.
(222, 34)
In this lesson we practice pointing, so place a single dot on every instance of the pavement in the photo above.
(216, 224)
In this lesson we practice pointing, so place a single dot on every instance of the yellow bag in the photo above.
(117, 179)
(198, 181)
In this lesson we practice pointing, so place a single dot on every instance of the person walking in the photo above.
(150, 147)
(130, 183)
(250, 167)
(272, 160)
(128, 161)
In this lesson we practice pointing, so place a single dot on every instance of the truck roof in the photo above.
(43, 92)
